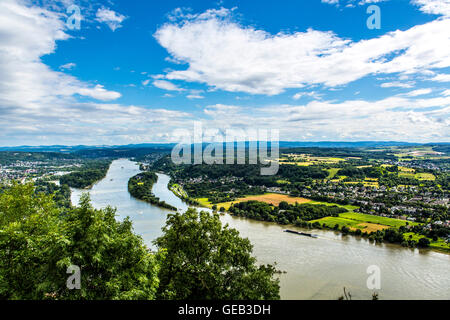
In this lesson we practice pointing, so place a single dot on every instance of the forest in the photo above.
(87, 175)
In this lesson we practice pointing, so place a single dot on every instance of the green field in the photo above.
(178, 191)
(425, 176)
(330, 222)
(349, 207)
(439, 244)
(390, 222)
(332, 172)
(365, 222)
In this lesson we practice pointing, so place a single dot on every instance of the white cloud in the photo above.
(194, 96)
(112, 19)
(228, 56)
(221, 110)
(397, 118)
(166, 85)
(40, 106)
(446, 92)
(441, 78)
(419, 92)
(351, 3)
(396, 85)
(99, 93)
(145, 82)
(26, 34)
(439, 7)
(67, 66)
(313, 94)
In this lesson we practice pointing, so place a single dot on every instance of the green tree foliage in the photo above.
(87, 175)
(61, 194)
(205, 260)
(285, 213)
(140, 186)
(38, 241)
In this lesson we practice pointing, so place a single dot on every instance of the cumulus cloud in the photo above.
(439, 7)
(226, 55)
(39, 105)
(112, 19)
(166, 85)
(441, 78)
(26, 34)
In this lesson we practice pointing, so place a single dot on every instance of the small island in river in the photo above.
(140, 186)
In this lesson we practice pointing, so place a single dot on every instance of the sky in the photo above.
(131, 71)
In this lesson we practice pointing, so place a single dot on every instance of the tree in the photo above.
(205, 260)
(39, 241)
(424, 242)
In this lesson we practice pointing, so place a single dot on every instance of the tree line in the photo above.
(87, 175)
(284, 213)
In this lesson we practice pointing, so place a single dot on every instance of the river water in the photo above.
(315, 268)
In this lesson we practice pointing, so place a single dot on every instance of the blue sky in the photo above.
(136, 71)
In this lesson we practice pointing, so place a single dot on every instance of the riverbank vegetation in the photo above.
(87, 175)
(196, 257)
(140, 186)
(284, 213)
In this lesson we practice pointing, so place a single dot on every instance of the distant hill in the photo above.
(168, 146)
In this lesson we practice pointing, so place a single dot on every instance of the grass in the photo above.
(273, 198)
(307, 160)
(338, 178)
(439, 244)
(410, 173)
(178, 191)
(425, 176)
(390, 222)
(365, 222)
(349, 207)
(332, 172)
(204, 202)
(406, 175)
(303, 164)
(351, 224)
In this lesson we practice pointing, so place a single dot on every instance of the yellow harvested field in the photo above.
(273, 198)
(369, 227)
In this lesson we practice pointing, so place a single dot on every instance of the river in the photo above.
(315, 268)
